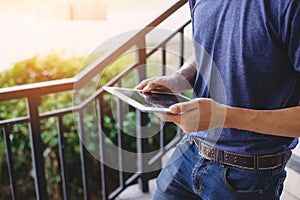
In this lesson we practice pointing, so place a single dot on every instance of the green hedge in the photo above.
(51, 67)
(39, 69)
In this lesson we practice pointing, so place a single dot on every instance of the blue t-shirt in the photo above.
(248, 55)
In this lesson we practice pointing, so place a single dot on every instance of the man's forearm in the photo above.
(281, 122)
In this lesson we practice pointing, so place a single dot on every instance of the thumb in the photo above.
(183, 107)
(175, 109)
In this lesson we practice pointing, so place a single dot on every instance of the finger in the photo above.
(141, 85)
(149, 87)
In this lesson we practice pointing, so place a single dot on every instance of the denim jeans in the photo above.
(189, 176)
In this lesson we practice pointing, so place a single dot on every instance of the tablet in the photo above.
(147, 101)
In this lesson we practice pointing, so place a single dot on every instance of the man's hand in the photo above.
(161, 83)
(181, 80)
(196, 115)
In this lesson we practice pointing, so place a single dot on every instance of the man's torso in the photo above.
(246, 64)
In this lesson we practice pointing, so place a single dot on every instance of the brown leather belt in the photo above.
(252, 162)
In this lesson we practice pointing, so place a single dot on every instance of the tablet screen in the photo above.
(153, 101)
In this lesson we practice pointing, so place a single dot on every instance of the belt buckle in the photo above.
(208, 152)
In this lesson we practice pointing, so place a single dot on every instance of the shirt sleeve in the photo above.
(291, 32)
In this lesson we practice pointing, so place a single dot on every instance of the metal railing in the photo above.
(33, 94)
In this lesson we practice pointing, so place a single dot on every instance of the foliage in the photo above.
(38, 69)
(52, 67)
(32, 70)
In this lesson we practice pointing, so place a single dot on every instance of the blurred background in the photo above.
(71, 27)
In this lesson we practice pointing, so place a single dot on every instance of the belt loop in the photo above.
(255, 163)
(283, 158)
(216, 155)
(221, 157)
(192, 140)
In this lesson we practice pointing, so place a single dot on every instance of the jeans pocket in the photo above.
(198, 175)
(240, 184)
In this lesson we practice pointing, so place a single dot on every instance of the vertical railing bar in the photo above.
(120, 139)
(101, 147)
(83, 155)
(162, 131)
(142, 120)
(9, 157)
(141, 58)
(162, 135)
(37, 148)
(163, 60)
(61, 147)
(181, 57)
(181, 62)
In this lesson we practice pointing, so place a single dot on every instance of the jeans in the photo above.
(189, 176)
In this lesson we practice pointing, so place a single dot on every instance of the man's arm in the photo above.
(281, 122)
(204, 114)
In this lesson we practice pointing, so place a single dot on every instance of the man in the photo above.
(245, 117)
